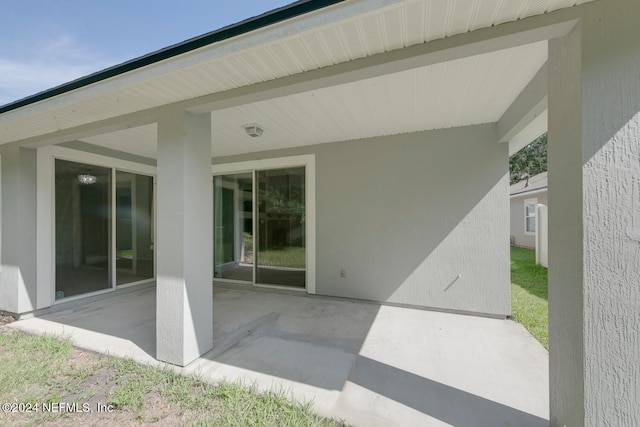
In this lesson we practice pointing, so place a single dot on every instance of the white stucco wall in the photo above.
(516, 208)
(18, 269)
(594, 219)
(419, 219)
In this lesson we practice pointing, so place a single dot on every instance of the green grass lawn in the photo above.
(282, 257)
(124, 252)
(37, 370)
(529, 298)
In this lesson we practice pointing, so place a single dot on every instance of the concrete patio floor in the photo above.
(367, 364)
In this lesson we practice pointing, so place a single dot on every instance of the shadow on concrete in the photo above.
(315, 344)
(448, 404)
(130, 316)
(311, 340)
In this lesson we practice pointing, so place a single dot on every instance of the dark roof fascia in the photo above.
(533, 190)
(269, 18)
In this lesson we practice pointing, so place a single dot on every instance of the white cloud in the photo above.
(58, 61)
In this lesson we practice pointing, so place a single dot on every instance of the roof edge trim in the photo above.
(529, 192)
(258, 22)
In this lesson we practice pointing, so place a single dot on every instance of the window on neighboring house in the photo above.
(530, 216)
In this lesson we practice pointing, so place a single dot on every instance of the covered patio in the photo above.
(389, 123)
(365, 363)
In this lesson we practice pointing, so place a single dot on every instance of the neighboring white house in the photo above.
(368, 140)
(524, 196)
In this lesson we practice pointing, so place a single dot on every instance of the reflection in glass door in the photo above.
(233, 227)
(87, 229)
(276, 253)
(83, 228)
(134, 227)
(281, 254)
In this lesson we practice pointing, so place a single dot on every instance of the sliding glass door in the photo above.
(103, 228)
(83, 228)
(134, 227)
(281, 254)
(233, 227)
(276, 253)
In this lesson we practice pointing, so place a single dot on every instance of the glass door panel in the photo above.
(281, 254)
(134, 227)
(233, 227)
(83, 228)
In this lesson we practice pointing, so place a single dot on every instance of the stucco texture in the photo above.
(418, 219)
(594, 194)
(18, 256)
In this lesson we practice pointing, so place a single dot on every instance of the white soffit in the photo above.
(336, 34)
(463, 92)
(140, 141)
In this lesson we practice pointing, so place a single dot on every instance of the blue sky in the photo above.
(44, 43)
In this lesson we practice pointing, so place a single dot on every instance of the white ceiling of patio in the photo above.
(471, 90)
(457, 93)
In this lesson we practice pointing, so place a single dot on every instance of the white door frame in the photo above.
(45, 203)
(309, 163)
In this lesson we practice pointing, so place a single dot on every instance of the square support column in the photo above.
(18, 233)
(594, 218)
(184, 293)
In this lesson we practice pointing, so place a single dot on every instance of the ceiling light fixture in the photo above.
(87, 179)
(253, 130)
